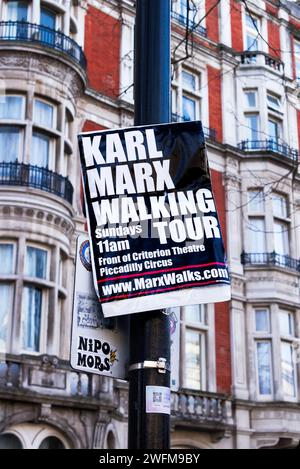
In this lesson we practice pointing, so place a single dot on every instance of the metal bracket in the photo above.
(161, 365)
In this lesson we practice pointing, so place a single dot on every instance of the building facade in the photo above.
(67, 67)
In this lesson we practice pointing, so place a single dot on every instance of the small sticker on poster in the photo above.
(158, 400)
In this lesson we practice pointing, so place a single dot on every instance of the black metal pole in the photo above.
(150, 332)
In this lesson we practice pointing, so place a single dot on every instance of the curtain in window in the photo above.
(288, 369)
(40, 150)
(193, 342)
(188, 109)
(264, 363)
(31, 318)
(9, 144)
(5, 311)
(43, 113)
(6, 259)
(11, 107)
(17, 11)
(36, 261)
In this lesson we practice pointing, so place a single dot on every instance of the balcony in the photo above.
(192, 25)
(261, 59)
(209, 133)
(201, 409)
(270, 146)
(21, 31)
(35, 378)
(270, 259)
(26, 175)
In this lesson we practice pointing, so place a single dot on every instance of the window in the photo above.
(274, 130)
(274, 103)
(36, 262)
(256, 201)
(297, 60)
(10, 143)
(31, 318)
(7, 267)
(252, 128)
(51, 442)
(6, 295)
(257, 235)
(286, 323)
(252, 32)
(11, 107)
(43, 113)
(251, 98)
(280, 206)
(190, 103)
(288, 370)
(288, 363)
(262, 320)
(17, 11)
(40, 149)
(48, 18)
(10, 441)
(6, 259)
(195, 347)
(281, 224)
(264, 367)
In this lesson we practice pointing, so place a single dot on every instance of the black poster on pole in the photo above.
(153, 225)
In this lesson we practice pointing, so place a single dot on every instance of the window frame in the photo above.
(268, 340)
(250, 31)
(203, 330)
(54, 114)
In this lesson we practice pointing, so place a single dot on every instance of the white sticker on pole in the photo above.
(158, 400)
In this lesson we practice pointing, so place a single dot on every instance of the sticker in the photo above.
(85, 255)
(158, 400)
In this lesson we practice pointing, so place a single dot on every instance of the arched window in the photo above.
(111, 441)
(51, 442)
(10, 441)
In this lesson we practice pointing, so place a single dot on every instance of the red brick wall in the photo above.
(274, 39)
(102, 49)
(272, 9)
(236, 26)
(90, 126)
(222, 312)
(214, 100)
(219, 195)
(223, 347)
(212, 21)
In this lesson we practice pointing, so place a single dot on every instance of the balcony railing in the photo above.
(270, 145)
(22, 31)
(259, 58)
(270, 259)
(20, 174)
(192, 24)
(201, 408)
(208, 132)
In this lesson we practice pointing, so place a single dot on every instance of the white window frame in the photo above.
(48, 262)
(54, 114)
(23, 100)
(248, 30)
(291, 340)
(269, 331)
(284, 220)
(203, 330)
(264, 338)
(44, 316)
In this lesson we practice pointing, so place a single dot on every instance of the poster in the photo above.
(90, 328)
(98, 345)
(153, 225)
